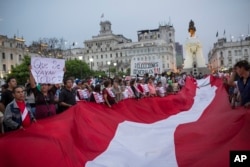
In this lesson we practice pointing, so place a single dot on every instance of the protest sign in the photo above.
(47, 70)
(140, 67)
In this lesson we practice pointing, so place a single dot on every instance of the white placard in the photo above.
(47, 70)
(141, 67)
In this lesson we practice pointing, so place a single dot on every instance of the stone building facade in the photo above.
(108, 49)
(225, 54)
(12, 51)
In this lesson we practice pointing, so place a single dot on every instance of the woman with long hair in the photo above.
(108, 95)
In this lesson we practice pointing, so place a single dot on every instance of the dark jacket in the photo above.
(12, 116)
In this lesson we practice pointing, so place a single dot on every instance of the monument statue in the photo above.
(191, 28)
(194, 61)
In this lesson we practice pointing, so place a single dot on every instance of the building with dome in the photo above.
(114, 50)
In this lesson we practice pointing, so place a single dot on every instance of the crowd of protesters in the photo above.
(23, 105)
(112, 90)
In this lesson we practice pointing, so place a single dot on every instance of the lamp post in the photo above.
(80, 58)
(241, 48)
(91, 60)
(109, 67)
(115, 67)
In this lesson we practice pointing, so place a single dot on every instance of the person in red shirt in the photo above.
(108, 95)
(18, 113)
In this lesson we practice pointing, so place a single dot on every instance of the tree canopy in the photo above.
(77, 68)
(21, 71)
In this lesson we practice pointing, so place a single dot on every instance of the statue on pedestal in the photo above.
(194, 60)
(191, 29)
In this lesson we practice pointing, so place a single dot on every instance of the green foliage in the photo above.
(113, 71)
(21, 71)
(99, 73)
(77, 68)
(128, 72)
(120, 73)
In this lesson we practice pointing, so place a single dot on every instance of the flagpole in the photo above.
(102, 17)
(248, 30)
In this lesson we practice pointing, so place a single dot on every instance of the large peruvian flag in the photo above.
(194, 128)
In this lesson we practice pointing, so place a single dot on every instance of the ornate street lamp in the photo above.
(80, 58)
(109, 67)
(91, 60)
(115, 67)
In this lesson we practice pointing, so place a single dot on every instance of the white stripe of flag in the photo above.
(148, 145)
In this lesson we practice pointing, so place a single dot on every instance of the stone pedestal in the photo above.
(194, 61)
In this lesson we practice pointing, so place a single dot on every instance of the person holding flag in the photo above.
(18, 113)
(242, 68)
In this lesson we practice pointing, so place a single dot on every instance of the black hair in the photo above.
(106, 83)
(67, 79)
(97, 88)
(244, 64)
(132, 82)
(9, 79)
(19, 86)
